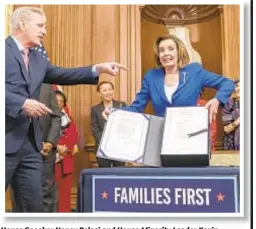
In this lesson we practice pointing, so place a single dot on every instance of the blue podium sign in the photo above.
(172, 194)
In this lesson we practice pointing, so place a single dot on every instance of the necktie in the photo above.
(25, 55)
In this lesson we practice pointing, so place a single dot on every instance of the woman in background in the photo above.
(231, 121)
(66, 148)
(106, 92)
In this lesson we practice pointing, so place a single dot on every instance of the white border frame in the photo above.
(153, 215)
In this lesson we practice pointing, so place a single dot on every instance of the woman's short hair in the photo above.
(182, 53)
(57, 92)
(105, 82)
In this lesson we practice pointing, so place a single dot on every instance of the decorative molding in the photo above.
(170, 15)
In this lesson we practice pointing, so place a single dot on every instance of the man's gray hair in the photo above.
(23, 13)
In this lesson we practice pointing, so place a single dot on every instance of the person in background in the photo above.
(64, 166)
(177, 82)
(213, 126)
(231, 121)
(106, 91)
(50, 126)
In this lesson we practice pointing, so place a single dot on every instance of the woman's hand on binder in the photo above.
(105, 113)
(212, 106)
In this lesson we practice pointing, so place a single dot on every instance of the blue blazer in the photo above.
(21, 85)
(192, 79)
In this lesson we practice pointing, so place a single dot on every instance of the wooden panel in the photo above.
(8, 203)
(8, 13)
(230, 26)
(125, 41)
(208, 44)
(97, 39)
(68, 42)
(149, 33)
(129, 51)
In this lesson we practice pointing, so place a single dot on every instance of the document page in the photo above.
(185, 131)
(125, 135)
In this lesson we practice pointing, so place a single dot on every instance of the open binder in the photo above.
(132, 137)
(181, 138)
(185, 137)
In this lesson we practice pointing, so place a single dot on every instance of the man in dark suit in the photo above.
(50, 125)
(25, 71)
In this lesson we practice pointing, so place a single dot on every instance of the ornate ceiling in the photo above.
(179, 14)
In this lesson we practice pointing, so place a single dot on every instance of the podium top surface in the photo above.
(145, 171)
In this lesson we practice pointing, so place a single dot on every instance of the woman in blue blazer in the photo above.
(177, 83)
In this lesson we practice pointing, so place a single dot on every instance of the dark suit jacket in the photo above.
(50, 124)
(97, 121)
(21, 85)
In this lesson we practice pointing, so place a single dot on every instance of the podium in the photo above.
(210, 189)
